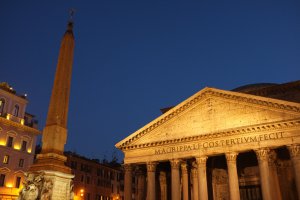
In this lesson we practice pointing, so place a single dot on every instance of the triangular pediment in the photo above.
(213, 110)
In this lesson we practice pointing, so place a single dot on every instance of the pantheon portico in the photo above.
(219, 144)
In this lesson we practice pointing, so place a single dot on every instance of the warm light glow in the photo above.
(9, 185)
(22, 121)
(8, 116)
(29, 150)
(17, 147)
(2, 142)
(81, 192)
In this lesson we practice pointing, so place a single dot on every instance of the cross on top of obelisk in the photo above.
(72, 12)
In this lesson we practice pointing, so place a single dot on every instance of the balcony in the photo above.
(14, 118)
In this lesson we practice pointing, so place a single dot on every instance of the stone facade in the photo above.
(241, 143)
(18, 132)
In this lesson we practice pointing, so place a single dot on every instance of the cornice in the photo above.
(241, 97)
(227, 133)
(20, 126)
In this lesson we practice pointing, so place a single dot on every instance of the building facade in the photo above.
(218, 144)
(18, 132)
(94, 180)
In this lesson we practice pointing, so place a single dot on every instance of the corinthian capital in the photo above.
(184, 167)
(175, 163)
(294, 150)
(151, 166)
(231, 156)
(127, 167)
(262, 154)
(201, 160)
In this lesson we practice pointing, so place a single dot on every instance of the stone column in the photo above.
(202, 180)
(163, 185)
(295, 157)
(185, 181)
(141, 184)
(233, 176)
(264, 171)
(273, 176)
(175, 179)
(128, 182)
(195, 181)
(151, 168)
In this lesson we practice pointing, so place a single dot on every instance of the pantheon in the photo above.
(219, 144)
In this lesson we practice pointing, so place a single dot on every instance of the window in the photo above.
(2, 104)
(82, 177)
(88, 180)
(9, 141)
(21, 162)
(88, 196)
(24, 145)
(2, 179)
(18, 182)
(16, 111)
(6, 159)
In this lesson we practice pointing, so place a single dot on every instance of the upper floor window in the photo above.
(6, 159)
(21, 162)
(9, 142)
(2, 104)
(24, 145)
(16, 110)
(2, 180)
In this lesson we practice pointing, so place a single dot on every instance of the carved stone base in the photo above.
(47, 185)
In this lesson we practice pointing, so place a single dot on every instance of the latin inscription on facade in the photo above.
(220, 143)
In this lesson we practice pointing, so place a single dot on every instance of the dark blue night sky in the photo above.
(134, 57)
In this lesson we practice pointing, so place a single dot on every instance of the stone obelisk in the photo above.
(50, 175)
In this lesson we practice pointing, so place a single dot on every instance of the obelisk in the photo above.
(56, 177)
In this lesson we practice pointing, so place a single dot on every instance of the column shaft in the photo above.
(141, 185)
(151, 168)
(233, 176)
(163, 185)
(202, 179)
(195, 182)
(128, 182)
(175, 178)
(295, 157)
(274, 177)
(264, 170)
(185, 181)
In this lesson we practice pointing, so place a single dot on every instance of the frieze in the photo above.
(219, 143)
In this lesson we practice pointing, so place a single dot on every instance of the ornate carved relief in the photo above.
(36, 186)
